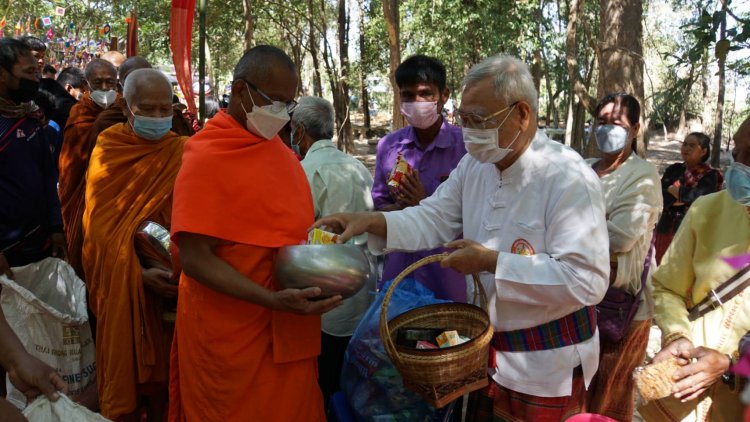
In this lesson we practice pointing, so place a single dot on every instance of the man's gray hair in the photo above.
(513, 81)
(316, 115)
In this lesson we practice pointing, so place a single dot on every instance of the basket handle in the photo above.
(385, 332)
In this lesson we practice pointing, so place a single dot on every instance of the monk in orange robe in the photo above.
(244, 350)
(117, 113)
(75, 152)
(130, 180)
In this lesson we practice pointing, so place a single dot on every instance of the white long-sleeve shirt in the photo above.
(633, 201)
(545, 215)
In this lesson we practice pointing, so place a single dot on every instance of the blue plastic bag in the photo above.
(370, 382)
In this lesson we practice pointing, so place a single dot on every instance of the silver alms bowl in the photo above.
(337, 269)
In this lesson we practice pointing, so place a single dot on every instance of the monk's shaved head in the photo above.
(259, 63)
(101, 75)
(114, 57)
(131, 64)
(147, 84)
(97, 64)
(264, 72)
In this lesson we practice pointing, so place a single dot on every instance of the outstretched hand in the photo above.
(348, 225)
(299, 301)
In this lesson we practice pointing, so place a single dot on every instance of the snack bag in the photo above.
(448, 339)
(399, 170)
(321, 237)
(654, 381)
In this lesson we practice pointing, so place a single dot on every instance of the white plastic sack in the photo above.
(46, 307)
(62, 410)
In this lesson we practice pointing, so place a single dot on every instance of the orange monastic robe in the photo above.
(233, 360)
(74, 160)
(129, 181)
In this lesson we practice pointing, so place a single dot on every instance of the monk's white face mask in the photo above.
(104, 98)
(266, 121)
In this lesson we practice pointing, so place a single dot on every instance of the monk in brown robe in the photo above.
(117, 113)
(76, 149)
(129, 181)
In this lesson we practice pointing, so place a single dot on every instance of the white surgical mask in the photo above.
(104, 98)
(266, 121)
(611, 138)
(482, 144)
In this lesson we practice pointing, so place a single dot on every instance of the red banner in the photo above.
(180, 38)
(132, 42)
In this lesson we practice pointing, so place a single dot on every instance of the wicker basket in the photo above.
(440, 375)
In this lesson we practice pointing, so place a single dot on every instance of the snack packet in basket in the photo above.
(654, 381)
(401, 169)
(321, 237)
(448, 339)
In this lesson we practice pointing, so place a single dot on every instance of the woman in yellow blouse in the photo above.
(716, 226)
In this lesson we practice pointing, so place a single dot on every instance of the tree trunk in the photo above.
(721, 54)
(621, 49)
(577, 86)
(345, 139)
(705, 79)
(249, 27)
(314, 44)
(681, 127)
(363, 69)
(391, 14)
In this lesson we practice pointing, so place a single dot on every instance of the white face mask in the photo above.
(611, 138)
(266, 121)
(104, 98)
(482, 144)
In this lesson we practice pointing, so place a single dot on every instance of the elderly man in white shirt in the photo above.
(339, 183)
(532, 215)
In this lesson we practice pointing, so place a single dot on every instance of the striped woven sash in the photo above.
(571, 329)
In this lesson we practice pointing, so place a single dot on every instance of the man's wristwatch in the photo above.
(728, 377)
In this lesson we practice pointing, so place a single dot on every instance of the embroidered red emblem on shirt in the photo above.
(522, 247)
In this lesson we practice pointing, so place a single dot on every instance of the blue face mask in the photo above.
(738, 183)
(295, 147)
(151, 128)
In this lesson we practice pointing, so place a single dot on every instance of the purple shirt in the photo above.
(434, 164)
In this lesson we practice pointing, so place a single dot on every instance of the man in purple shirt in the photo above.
(433, 148)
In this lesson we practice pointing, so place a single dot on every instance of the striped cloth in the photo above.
(571, 329)
(496, 403)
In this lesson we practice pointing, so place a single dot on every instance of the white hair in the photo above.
(316, 115)
(513, 81)
(144, 79)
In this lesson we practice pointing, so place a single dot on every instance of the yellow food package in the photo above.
(448, 339)
(321, 237)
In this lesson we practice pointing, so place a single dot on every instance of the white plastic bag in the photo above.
(46, 307)
(62, 410)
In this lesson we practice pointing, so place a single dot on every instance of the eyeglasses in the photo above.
(275, 105)
(475, 121)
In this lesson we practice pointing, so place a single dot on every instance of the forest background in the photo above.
(688, 61)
